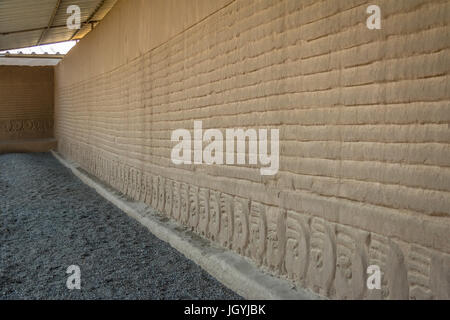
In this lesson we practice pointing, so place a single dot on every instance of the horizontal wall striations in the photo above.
(363, 115)
(26, 102)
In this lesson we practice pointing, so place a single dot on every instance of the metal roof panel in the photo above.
(26, 23)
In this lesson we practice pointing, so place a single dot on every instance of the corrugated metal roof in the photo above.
(28, 62)
(26, 23)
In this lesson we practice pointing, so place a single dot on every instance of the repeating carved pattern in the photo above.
(389, 256)
(297, 246)
(214, 215)
(193, 207)
(276, 238)
(127, 178)
(203, 211)
(149, 189)
(142, 183)
(155, 192)
(161, 193)
(169, 197)
(378, 256)
(329, 258)
(428, 274)
(23, 127)
(184, 210)
(127, 181)
(440, 275)
(139, 186)
(351, 264)
(240, 227)
(419, 267)
(176, 200)
(226, 220)
(133, 184)
(323, 257)
(396, 272)
(258, 231)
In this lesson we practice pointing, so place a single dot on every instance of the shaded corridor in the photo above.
(50, 220)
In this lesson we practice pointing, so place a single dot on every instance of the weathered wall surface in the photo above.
(363, 115)
(26, 102)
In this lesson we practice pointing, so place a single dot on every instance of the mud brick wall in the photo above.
(26, 102)
(363, 116)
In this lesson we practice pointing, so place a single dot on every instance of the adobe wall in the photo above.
(363, 115)
(26, 102)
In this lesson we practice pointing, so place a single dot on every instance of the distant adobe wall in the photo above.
(26, 102)
(364, 175)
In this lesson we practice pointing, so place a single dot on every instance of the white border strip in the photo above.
(232, 270)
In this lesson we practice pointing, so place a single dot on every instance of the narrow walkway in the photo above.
(50, 220)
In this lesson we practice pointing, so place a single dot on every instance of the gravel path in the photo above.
(50, 220)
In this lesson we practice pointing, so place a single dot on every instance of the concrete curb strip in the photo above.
(234, 271)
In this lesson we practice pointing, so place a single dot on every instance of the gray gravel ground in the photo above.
(49, 220)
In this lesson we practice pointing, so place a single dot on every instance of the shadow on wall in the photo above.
(26, 108)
